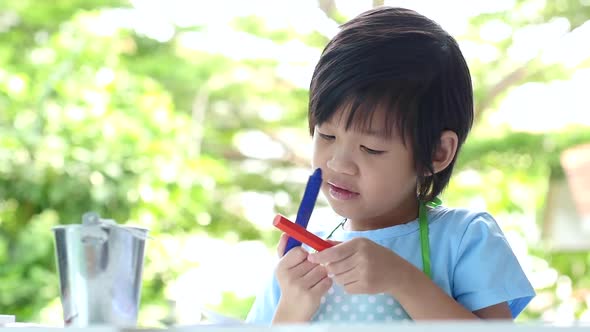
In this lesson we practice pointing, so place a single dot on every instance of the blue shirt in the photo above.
(471, 261)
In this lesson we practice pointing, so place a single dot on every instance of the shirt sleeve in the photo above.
(264, 306)
(487, 272)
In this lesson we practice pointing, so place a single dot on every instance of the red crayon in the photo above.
(300, 234)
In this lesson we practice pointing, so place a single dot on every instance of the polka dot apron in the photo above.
(337, 306)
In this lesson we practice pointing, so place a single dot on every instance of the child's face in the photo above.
(368, 178)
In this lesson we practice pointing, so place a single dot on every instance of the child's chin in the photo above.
(344, 211)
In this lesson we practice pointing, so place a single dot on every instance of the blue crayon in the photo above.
(307, 204)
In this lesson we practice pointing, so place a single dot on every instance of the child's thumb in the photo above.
(282, 244)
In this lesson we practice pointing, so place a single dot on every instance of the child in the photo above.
(390, 105)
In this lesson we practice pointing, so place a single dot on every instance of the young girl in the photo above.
(390, 105)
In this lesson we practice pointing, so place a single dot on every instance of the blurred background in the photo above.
(189, 118)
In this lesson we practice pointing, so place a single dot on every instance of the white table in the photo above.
(397, 327)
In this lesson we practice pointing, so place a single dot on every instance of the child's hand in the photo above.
(302, 284)
(362, 266)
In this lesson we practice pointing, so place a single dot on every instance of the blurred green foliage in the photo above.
(144, 131)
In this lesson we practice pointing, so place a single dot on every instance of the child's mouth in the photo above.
(341, 193)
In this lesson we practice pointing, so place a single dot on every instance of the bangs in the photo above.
(382, 110)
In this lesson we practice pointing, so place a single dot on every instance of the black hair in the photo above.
(397, 60)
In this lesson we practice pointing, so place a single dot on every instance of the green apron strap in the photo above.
(424, 239)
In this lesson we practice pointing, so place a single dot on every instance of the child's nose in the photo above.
(341, 162)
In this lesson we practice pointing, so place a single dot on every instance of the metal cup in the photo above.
(100, 269)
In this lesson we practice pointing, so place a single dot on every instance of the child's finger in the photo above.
(282, 244)
(314, 275)
(294, 258)
(333, 254)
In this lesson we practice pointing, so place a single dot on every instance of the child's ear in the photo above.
(446, 151)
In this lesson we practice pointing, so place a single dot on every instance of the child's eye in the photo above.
(371, 151)
(326, 137)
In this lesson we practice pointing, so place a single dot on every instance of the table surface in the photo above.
(398, 327)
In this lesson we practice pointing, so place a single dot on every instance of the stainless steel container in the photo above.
(100, 267)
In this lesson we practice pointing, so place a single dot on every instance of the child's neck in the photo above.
(403, 214)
